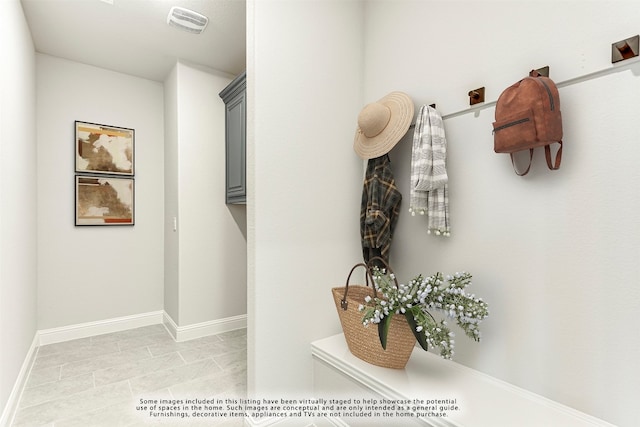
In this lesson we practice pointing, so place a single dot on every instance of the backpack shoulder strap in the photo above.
(513, 163)
(547, 155)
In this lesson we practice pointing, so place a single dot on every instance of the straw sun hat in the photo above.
(382, 124)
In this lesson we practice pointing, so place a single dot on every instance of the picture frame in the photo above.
(104, 200)
(104, 149)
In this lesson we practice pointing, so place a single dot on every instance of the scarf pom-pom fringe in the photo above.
(437, 232)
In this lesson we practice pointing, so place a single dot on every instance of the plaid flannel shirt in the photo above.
(379, 209)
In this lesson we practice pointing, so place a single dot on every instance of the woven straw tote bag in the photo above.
(363, 341)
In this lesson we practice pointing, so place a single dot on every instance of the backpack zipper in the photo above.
(549, 93)
(514, 123)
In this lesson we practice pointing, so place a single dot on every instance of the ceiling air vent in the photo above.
(187, 20)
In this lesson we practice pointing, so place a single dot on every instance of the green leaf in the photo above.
(420, 336)
(383, 330)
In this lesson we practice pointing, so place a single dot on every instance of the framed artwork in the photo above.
(104, 149)
(104, 200)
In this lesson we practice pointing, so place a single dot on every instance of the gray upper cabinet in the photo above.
(235, 99)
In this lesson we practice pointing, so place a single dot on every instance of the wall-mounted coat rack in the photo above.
(620, 51)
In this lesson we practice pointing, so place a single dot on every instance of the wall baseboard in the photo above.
(89, 329)
(6, 418)
(179, 333)
(199, 330)
(171, 326)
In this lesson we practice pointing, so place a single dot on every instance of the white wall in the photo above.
(554, 253)
(304, 68)
(209, 247)
(93, 273)
(18, 173)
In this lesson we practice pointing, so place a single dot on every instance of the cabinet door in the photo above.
(236, 149)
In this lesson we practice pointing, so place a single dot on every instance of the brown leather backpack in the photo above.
(528, 116)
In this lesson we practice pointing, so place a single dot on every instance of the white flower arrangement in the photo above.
(416, 298)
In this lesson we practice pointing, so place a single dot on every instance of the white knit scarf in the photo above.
(429, 192)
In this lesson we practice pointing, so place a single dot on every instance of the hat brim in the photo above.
(402, 109)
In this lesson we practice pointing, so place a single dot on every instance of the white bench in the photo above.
(482, 401)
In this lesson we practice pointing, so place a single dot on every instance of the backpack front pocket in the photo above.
(515, 133)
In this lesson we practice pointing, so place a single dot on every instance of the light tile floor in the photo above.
(99, 381)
